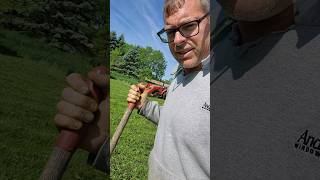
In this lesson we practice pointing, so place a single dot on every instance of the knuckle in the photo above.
(56, 119)
(81, 114)
(72, 75)
(65, 92)
(60, 106)
(132, 96)
(75, 125)
(84, 101)
(85, 115)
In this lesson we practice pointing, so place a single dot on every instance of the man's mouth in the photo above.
(184, 51)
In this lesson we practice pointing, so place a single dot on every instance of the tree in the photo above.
(133, 60)
(158, 64)
(131, 63)
(121, 42)
(115, 57)
(67, 24)
(113, 40)
(153, 60)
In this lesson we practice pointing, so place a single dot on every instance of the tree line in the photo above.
(135, 61)
(69, 25)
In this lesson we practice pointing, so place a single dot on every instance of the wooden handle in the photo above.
(56, 164)
(121, 126)
(116, 136)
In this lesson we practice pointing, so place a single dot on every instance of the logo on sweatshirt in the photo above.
(206, 106)
(308, 144)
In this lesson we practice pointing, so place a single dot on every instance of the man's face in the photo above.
(254, 10)
(189, 51)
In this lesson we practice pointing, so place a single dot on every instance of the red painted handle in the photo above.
(131, 105)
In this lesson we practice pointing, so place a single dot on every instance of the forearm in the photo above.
(151, 110)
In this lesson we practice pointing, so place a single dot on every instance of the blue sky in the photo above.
(139, 21)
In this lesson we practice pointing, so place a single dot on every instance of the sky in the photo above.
(139, 21)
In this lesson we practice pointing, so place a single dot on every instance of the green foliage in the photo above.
(69, 25)
(131, 64)
(145, 63)
(19, 5)
(113, 40)
(38, 50)
(101, 48)
(152, 61)
(115, 57)
(125, 78)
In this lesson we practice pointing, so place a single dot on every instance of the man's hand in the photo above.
(76, 107)
(135, 96)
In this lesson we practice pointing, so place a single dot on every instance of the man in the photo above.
(181, 148)
(265, 91)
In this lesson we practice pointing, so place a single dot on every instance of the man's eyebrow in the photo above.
(187, 20)
(183, 21)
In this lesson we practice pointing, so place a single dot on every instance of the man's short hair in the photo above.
(171, 6)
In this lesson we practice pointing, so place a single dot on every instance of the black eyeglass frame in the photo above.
(178, 29)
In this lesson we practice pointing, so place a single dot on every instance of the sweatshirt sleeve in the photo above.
(151, 110)
(101, 160)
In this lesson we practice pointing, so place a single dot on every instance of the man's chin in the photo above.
(189, 64)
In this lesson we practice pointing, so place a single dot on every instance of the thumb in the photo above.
(144, 94)
(142, 86)
(100, 77)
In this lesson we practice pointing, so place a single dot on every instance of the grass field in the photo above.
(29, 93)
(130, 157)
(30, 89)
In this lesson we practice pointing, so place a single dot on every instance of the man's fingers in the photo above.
(78, 83)
(99, 76)
(74, 97)
(75, 112)
(142, 86)
(133, 92)
(134, 87)
(63, 121)
(130, 100)
(131, 96)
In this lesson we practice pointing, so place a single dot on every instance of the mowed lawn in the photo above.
(29, 93)
(130, 158)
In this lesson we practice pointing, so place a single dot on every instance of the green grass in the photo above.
(29, 94)
(31, 84)
(123, 77)
(38, 50)
(130, 158)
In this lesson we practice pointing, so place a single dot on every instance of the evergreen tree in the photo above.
(131, 63)
(66, 24)
(121, 42)
(113, 40)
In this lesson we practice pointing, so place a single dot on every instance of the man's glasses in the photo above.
(188, 29)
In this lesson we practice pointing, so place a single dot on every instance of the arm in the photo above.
(151, 110)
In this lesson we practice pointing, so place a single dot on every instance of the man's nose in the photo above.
(178, 38)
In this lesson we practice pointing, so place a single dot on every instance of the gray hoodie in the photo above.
(181, 148)
(266, 103)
